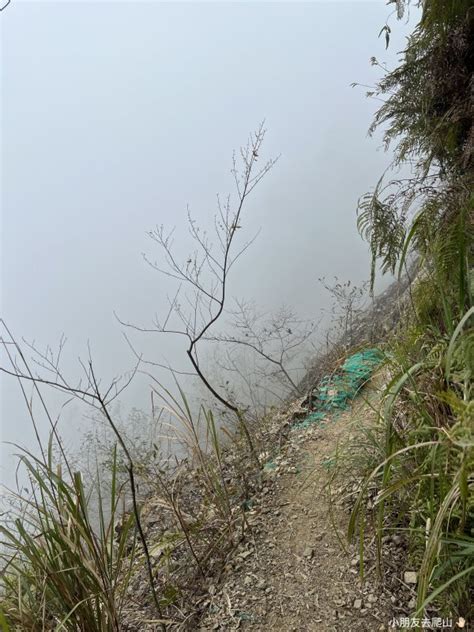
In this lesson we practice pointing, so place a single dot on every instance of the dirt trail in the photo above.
(295, 575)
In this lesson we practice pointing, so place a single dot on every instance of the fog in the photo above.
(116, 116)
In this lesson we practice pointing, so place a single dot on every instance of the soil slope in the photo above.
(298, 572)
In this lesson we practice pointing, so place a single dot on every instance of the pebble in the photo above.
(409, 577)
(358, 604)
(308, 552)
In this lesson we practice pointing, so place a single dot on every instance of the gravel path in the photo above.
(298, 573)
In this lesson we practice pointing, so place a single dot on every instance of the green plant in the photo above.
(428, 465)
(424, 480)
(60, 571)
(55, 485)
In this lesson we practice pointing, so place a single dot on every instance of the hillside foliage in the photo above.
(426, 478)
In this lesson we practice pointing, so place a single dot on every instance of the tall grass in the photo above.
(207, 447)
(425, 476)
(73, 553)
(59, 570)
(425, 480)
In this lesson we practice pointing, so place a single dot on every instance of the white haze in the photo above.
(115, 116)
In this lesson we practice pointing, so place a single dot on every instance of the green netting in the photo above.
(335, 392)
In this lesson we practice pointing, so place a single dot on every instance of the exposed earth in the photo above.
(297, 572)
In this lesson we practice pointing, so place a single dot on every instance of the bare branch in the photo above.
(274, 338)
(92, 395)
(205, 272)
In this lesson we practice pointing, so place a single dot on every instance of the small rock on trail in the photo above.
(300, 577)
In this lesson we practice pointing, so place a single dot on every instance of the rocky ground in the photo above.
(293, 569)
(296, 572)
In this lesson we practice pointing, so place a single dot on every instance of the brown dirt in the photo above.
(297, 572)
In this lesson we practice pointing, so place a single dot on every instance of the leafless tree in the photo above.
(203, 276)
(239, 377)
(348, 303)
(89, 390)
(275, 338)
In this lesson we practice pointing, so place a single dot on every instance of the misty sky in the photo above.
(115, 116)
